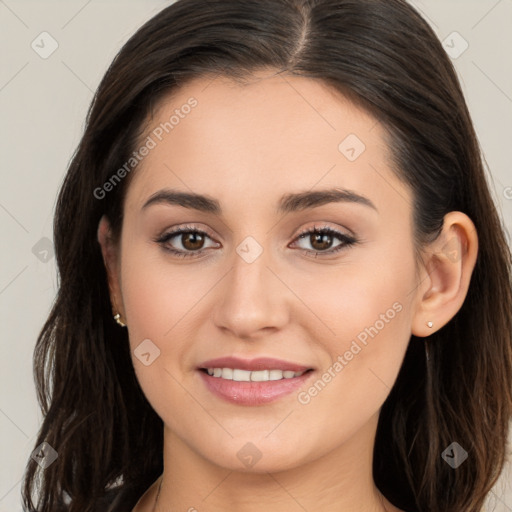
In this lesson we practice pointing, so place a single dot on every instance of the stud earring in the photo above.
(117, 318)
(430, 324)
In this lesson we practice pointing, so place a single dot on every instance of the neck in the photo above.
(331, 482)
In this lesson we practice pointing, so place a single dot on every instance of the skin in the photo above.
(246, 146)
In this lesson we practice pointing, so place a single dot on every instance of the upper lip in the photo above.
(260, 363)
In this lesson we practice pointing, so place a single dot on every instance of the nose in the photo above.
(252, 299)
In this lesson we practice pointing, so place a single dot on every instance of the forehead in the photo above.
(274, 134)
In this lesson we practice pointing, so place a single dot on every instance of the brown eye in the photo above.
(189, 242)
(321, 240)
(192, 240)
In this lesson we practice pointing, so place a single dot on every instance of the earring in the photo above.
(117, 318)
(430, 324)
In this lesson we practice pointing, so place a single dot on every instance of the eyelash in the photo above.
(347, 240)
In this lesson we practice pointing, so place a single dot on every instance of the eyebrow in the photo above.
(288, 203)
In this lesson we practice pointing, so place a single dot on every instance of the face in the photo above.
(250, 279)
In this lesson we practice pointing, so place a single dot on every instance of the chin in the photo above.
(256, 457)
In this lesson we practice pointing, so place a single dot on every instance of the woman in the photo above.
(283, 281)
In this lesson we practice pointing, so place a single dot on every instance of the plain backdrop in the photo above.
(43, 103)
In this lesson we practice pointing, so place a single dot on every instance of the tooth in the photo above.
(227, 373)
(259, 376)
(275, 374)
(252, 376)
(241, 375)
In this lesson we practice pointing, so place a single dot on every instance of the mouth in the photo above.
(254, 382)
(239, 375)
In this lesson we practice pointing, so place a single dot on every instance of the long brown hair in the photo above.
(383, 56)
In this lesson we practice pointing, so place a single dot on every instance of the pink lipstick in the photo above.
(252, 382)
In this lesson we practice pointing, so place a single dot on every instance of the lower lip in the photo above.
(253, 393)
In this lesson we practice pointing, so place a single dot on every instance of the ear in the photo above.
(111, 259)
(445, 274)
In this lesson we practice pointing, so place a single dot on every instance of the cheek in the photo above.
(365, 308)
(161, 302)
(364, 360)
(361, 299)
(368, 279)
(159, 297)
(158, 301)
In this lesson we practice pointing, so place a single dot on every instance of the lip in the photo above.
(260, 363)
(253, 393)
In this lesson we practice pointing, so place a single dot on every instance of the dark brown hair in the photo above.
(383, 56)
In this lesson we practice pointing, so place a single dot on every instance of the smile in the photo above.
(239, 375)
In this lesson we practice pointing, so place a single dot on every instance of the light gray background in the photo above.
(43, 103)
